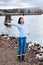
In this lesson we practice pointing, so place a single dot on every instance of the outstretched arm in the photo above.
(17, 25)
(12, 24)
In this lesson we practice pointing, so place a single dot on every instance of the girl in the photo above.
(22, 38)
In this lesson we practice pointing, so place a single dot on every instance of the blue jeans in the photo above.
(22, 46)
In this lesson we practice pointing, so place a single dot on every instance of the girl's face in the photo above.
(22, 21)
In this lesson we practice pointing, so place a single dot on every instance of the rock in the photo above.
(39, 56)
(32, 60)
(30, 45)
(41, 50)
(12, 37)
(4, 34)
(42, 47)
(37, 45)
(6, 38)
(34, 48)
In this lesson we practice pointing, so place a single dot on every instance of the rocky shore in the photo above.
(9, 48)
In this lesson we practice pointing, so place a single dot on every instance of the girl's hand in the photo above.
(6, 23)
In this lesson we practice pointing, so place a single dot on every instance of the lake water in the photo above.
(34, 28)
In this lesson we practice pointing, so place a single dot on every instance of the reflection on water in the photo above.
(34, 27)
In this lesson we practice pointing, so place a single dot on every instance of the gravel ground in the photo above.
(8, 52)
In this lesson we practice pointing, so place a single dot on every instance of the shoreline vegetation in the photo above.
(22, 11)
(9, 48)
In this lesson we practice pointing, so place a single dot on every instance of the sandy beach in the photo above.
(9, 48)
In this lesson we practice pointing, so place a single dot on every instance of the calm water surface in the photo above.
(34, 28)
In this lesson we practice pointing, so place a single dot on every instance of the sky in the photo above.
(20, 3)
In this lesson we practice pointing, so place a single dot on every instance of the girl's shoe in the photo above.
(19, 59)
(23, 58)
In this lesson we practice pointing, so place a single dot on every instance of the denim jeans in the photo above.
(22, 46)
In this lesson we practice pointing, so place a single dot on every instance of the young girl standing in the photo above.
(22, 38)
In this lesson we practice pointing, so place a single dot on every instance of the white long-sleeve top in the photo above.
(21, 28)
